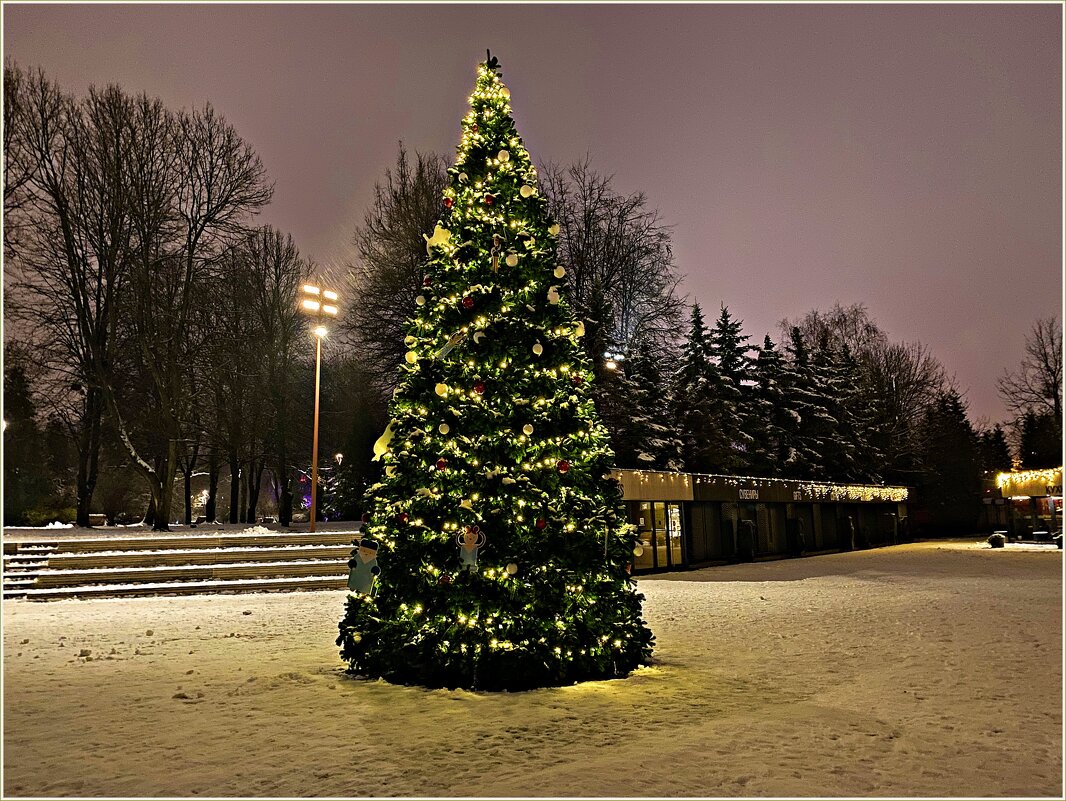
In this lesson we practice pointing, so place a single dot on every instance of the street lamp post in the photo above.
(321, 305)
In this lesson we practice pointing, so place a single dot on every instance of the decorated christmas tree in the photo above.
(496, 554)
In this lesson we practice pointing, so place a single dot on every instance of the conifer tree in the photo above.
(650, 437)
(835, 430)
(995, 454)
(805, 403)
(705, 444)
(500, 539)
(951, 465)
(772, 424)
(731, 352)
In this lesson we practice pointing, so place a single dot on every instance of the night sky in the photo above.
(904, 156)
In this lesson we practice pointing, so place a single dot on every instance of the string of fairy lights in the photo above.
(500, 530)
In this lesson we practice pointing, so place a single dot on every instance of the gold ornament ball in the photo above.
(527, 429)
(503, 156)
(538, 349)
(441, 389)
(511, 569)
(505, 92)
(462, 177)
(411, 357)
(444, 428)
(420, 300)
(553, 229)
(638, 551)
(560, 271)
(409, 341)
(526, 190)
(512, 259)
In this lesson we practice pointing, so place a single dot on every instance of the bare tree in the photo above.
(899, 381)
(19, 161)
(68, 271)
(190, 209)
(392, 258)
(1037, 384)
(619, 262)
(839, 326)
(277, 272)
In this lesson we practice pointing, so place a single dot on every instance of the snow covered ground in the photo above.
(931, 669)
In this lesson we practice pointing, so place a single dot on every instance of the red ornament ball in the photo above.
(479, 387)
(474, 128)
(442, 463)
(448, 202)
(444, 579)
(365, 517)
(403, 517)
(489, 200)
(427, 281)
(563, 465)
(468, 302)
(541, 522)
(577, 379)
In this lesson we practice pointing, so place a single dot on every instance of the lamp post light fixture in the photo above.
(321, 305)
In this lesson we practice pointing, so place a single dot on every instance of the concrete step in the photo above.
(181, 541)
(182, 556)
(213, 572)
(288, 584)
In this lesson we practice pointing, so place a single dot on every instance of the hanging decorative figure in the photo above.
(364, 570)
(497, 240)
(469, 542)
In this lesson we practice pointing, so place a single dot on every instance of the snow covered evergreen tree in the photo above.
(806, 404)
(773, 426)
(836, 429)
(650, 440)
(499, 535)
(706, 446)
(731, 353)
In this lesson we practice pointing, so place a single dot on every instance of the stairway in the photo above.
(179, 564)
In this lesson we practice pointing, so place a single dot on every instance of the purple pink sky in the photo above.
(908, 157)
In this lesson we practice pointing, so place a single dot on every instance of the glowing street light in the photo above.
(313, 305)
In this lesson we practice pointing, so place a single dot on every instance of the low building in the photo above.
(689, 519)
(1026, 501)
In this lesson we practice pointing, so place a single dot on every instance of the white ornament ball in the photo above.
(409, 341)
(411, 357)
(512, 259)
(525, 190)
(538, 349)
(511, 569)
(560, 271)
(444, 428)
(553, 229)
(527, 429)
(420, 300)
(441, 389)
(503, 156)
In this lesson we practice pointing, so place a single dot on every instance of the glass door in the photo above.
(673, 534)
